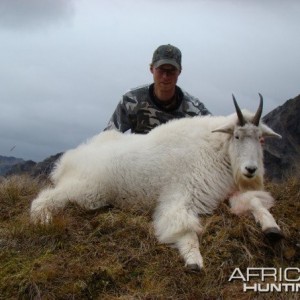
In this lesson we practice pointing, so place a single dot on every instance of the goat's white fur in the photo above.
(181, 169)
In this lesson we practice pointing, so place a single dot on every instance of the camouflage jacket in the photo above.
(139, 111)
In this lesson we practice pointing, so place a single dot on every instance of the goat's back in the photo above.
(182, 152)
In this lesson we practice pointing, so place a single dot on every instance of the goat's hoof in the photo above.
(273, 234)
(194, 268)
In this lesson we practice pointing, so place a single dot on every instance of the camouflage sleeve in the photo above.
(193, 106)
(120, 119)
(203, 111)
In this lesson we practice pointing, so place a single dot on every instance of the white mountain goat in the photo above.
(183, 169)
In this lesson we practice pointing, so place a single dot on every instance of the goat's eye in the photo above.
(236, 137)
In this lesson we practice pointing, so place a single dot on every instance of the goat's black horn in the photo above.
(238, 112)
(257, 116)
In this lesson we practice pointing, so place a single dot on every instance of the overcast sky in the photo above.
(65, 64)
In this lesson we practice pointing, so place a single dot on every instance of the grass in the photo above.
(112, 254)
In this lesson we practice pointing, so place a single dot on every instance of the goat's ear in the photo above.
(225, 129)
(268, 132)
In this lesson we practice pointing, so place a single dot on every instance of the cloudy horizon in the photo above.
(66, 63)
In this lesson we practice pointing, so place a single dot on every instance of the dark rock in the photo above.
(282, 156)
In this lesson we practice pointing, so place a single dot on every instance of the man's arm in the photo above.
(119, 119)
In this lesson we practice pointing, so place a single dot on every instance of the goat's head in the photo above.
(245, 150)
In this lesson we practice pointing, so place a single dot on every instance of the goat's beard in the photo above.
(244, 183)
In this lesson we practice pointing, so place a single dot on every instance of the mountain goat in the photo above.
(183, 169)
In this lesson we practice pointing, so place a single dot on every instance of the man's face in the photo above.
(165, 77)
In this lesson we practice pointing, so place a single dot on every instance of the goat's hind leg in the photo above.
(48, 202)
(51, 200)
(258, 203)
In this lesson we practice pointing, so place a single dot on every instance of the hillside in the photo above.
(112, 254)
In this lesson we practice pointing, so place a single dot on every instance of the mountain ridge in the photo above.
(6, 163)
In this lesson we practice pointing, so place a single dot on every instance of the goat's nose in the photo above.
(251, 170)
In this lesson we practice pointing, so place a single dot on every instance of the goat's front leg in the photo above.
(175, 224)
(258, 203)
(188, 247)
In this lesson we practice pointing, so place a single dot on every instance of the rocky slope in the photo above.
(282, 156)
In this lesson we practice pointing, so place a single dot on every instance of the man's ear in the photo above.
(151, 68)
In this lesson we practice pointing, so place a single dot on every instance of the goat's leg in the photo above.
(266, 220)
(175, 224)
(53, 199)
(47, 202)
(186, 241)
(258, 203)
(188, 246)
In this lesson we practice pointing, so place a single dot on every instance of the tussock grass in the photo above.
(112, 254)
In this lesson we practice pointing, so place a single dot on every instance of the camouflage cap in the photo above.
(167, 54)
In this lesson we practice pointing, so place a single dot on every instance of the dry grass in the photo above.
(111, 254)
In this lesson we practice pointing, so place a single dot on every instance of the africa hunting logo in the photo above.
(266, 280)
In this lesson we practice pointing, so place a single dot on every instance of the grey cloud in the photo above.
(28, 14)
